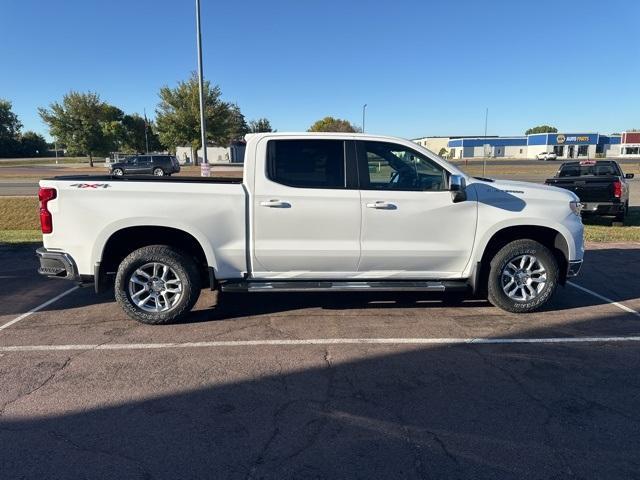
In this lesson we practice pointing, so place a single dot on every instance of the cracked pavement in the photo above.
(322, 411)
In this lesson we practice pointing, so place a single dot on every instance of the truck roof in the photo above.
(321, 134)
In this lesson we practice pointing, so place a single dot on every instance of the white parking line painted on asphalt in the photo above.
(320, 341)
(38, 308)
(602, 297)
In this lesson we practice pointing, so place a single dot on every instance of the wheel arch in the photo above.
(122, 241)
(551, 238)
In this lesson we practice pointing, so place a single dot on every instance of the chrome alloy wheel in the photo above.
(155, 287)
(523, 278)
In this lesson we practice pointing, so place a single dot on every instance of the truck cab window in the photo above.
(307, 163)
(395, 167)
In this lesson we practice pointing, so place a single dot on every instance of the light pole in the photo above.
(484, 161)
(204, 169)
(146, 139)
(364, 109)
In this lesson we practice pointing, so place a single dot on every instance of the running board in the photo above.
(344, 286)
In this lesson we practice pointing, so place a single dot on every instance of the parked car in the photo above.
(601, 186)
(313, 212)
(547, 156)
(158, 165)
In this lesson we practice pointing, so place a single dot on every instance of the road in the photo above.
(322, 386)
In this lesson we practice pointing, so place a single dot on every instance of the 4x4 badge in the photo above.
(90, 185)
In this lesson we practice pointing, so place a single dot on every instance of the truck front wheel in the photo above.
(157, 284)
(523, 276)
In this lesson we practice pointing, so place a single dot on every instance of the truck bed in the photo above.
(147, 178)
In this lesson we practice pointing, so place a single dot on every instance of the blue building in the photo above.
(564, 145)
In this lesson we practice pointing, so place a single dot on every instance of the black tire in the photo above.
(505, 255)
(158, 172)
(185, 269)
(622, 215)
(118, 172)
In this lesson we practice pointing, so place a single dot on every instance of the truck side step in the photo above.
(344, 286)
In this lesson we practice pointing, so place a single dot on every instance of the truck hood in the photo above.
(525, 190)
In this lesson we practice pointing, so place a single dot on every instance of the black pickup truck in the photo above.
(601, 186)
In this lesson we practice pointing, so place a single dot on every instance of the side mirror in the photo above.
(458, 188)
(629, 176)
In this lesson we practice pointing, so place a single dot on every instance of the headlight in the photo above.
(576, 207)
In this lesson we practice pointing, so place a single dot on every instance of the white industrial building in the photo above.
(231, 154)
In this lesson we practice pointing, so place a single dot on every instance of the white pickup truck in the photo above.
(313, 212)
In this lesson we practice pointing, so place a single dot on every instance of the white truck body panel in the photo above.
(85, 218)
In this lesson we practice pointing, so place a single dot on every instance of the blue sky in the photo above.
(423, 67)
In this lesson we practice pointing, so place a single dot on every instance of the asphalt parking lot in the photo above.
(322, 386)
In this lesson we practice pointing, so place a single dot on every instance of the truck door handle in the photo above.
(381, 205)
(275, 204)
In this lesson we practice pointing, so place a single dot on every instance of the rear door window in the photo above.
(307, 163)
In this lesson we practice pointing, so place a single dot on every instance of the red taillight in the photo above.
(617, 189)
(46, 221)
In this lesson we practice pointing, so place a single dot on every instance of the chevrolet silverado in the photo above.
(313, 212)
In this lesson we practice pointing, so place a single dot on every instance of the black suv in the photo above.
(157, 165)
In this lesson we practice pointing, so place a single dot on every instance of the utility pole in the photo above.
(204, 168)
(484, 160)
(364, 109)
(55, 145)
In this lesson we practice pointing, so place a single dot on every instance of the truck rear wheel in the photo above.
(620, 217)
(523, 276)
(157, 284)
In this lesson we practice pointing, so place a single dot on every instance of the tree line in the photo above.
(14, 142)
(82, 123)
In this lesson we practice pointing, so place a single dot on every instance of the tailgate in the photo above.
(588, 189)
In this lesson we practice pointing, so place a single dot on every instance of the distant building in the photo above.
(497, 147)
(234, 153)
(564, 145)
(630, 144)
(436, 144)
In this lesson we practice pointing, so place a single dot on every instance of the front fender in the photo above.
(571, 231)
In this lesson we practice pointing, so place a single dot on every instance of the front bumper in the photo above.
(574, 268)
(54, 263)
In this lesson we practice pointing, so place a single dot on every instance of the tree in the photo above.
(541, 129)
(443, 152)
(236, 125)
(178, 116)
(33, 144)
(330, 124)
(9, 130)
(9, 124)
(83, 122)
(260, 125)
(134, 134)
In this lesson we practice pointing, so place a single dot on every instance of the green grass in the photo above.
(19, 213)
(24, 162)
(20, 236)
(19, 222)
(599, 233)
(599, 229)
